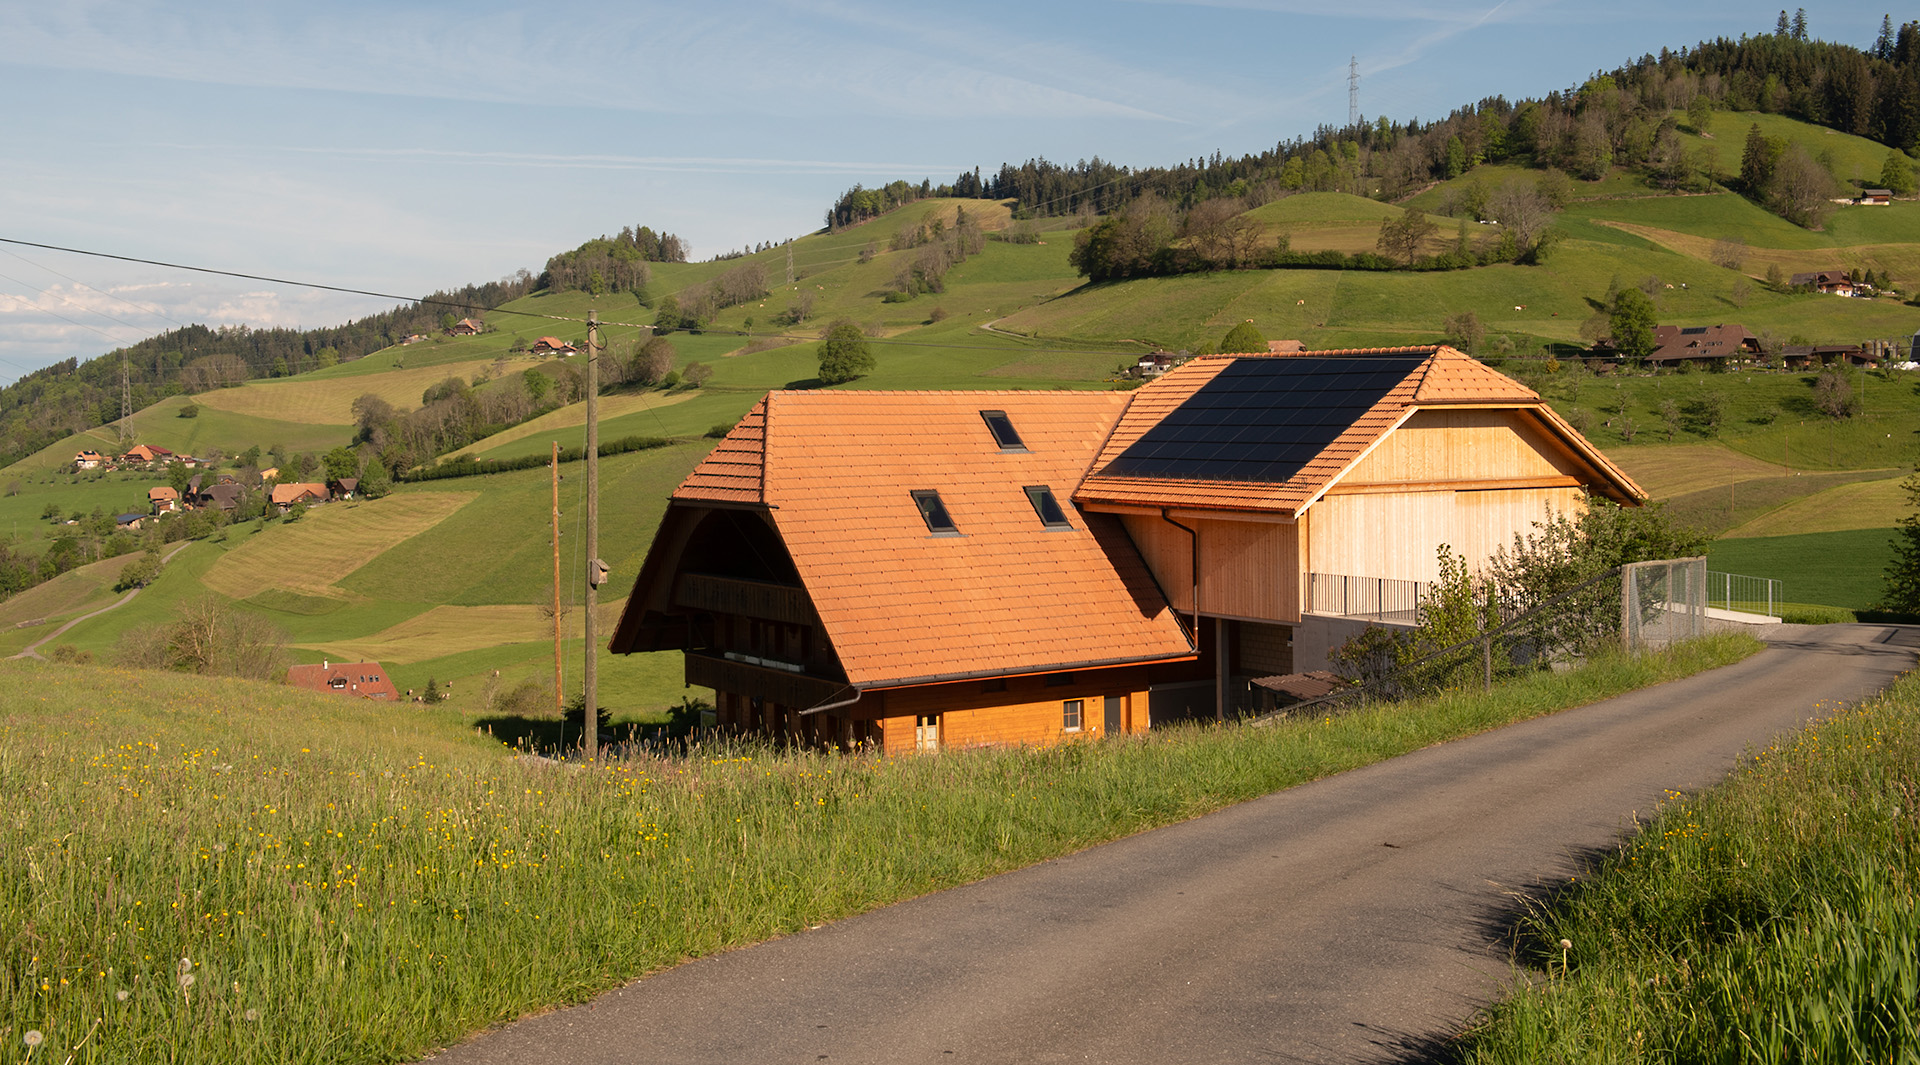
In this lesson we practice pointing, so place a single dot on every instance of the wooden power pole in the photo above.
(596, 571)
(559, 700)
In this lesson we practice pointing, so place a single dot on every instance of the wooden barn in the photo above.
(926, 569)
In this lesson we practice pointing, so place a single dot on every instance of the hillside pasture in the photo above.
(1843, 569)
(451, 630)
(1875, 502)
(574, 417)
(1773, 505)
(1682, 468)
(329, 400)
(312, 555)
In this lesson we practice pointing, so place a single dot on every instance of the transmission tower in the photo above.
(1353, 92)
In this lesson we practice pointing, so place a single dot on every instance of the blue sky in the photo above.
(405, 146)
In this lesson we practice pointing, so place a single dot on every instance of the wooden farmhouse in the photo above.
(923, 569)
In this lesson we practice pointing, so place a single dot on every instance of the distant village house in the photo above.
(362, 680)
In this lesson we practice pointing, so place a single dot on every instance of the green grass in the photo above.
(1770, 919)
(1836, 569)
(343, 889)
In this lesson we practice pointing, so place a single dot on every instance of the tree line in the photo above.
(613, 264)
(1623, 118)
(71, 396)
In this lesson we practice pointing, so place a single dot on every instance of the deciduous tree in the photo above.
(844, 355)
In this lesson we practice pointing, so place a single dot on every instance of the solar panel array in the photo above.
(1261, 420)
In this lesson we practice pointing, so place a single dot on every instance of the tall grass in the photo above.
(199, 870)
(1772, 919)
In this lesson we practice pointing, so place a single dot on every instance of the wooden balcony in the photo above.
(797, 690)
(786, 603)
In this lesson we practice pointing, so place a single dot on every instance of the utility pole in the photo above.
(590, 737)
(559, 700)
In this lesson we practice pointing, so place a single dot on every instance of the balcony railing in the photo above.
(1378, 598)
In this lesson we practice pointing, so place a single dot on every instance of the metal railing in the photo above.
(1380, 598)
(1748, 595)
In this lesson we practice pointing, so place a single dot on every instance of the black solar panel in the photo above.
(1262, 419)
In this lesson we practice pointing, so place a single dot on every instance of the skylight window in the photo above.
(1003, 431)
(934, 513)
(1052, 515)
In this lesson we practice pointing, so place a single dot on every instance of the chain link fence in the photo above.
(1635, 607)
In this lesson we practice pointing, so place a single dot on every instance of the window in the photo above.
(1070, 715)
(1052, 515)
(1003, 431)
(934, 513)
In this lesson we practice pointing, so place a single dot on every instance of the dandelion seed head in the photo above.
(186, 979)
(1566, 944)
(252, 1015)
(33, 1038)
(186, 965)
(123, 995)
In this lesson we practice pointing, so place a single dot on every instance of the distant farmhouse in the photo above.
(552, 346)
(1706, 346)
(1830, 282)
(466, 327)
(361, 680)
(918, 570)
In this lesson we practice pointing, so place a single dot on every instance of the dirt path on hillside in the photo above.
(33, 649)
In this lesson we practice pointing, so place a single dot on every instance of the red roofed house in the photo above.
(919, 569)
(145, 453)
(365, 680)
(88, 460)
(165, 497)
(1831, 282)
(552, 346)
(286, 495)
(1707, 345)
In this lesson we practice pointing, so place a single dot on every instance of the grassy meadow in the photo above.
(213, 870)
(1771, 919)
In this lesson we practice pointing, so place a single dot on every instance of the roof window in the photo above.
(934, 513)
(1047, 507)
(1003, 431)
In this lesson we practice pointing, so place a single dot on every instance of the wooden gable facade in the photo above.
(1200, 521)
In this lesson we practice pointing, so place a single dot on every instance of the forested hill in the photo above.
(71, 396)
(1621, 118)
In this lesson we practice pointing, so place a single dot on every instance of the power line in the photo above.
(428, 301)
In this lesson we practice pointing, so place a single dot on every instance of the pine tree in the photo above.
(1903, 577)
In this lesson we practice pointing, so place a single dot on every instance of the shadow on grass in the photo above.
(553, 736)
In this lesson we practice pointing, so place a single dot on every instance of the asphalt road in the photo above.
(1353, 919)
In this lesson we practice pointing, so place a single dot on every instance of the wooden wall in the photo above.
(1389, 514)
(1028, 712)
(1249, 569)
(1437, 446)
(1397, 535)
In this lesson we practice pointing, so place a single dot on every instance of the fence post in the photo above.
(1486, 661)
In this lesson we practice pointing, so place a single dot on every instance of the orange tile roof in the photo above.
(293, 492)
(367, 680)
(902, 605)
(1445, 377)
